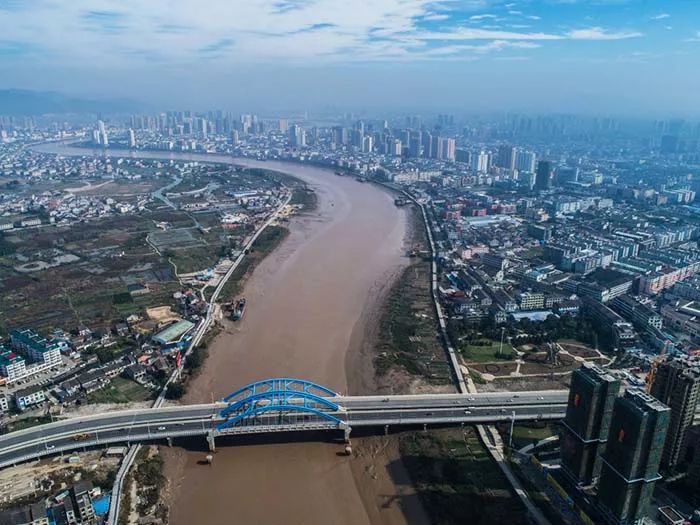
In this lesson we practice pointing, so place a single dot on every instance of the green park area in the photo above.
(486, 350)
(120, 391)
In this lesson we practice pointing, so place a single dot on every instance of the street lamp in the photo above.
(510, 435)
(500, 348)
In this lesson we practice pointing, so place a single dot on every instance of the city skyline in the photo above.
(546, 55)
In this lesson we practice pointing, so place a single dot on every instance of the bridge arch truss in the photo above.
(282, 403)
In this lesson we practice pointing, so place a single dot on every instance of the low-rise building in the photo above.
(34, 514)
(531, 301)
(618, 332)
(28, 397)
(135, 372)
(174, 333)
(639, 314)
(83, 503)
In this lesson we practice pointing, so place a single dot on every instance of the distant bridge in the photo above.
(277, 405)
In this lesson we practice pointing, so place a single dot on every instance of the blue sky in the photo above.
(606, 54)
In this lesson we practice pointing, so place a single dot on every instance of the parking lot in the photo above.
(44, 378)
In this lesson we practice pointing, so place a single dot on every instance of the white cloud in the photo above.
(180, 33)
(598, 33)
(436, 17)
(534, 17)
(483, 17)
(465, 33)
(478, 49)
(661, 16)
(695, 38)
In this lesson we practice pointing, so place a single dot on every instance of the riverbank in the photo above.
(440, 476)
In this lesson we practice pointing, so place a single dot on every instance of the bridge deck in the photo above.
(132, 426)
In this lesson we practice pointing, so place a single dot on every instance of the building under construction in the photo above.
(677, 384)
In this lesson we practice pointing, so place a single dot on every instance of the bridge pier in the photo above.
(346, 433)
(170, 441)
(211, 441)
(386, 430)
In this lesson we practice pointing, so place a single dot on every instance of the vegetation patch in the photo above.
(485, 350)
(456, 479)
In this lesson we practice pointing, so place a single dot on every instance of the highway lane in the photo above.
(129, 418)
(176, 421)
(438, 400)
(44, 443)
(121, 419)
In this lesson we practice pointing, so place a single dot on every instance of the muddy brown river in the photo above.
(308, 304)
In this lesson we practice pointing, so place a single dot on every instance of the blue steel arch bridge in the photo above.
(278, 405)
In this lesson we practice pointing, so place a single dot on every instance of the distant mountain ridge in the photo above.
(14, 102)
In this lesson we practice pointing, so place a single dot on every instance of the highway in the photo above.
(154, 424)
(135, 426)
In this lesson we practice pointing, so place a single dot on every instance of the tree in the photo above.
(195, 359)
(175, 391)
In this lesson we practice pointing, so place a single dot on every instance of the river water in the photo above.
(308, 303)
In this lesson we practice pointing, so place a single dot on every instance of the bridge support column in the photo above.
(425, 427)
(386, 430)
(170, 441)
(346, 434)
(211, 442)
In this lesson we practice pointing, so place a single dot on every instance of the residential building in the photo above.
(12, 366)
(28, 397)
(613, 329)
(632, 456)
(506, 156)
(525, 161)
(36, 348)
(677, 384)
(34, 514)
(587, 422)
(480, 162)
(531, 301)
(83, 503)
(639, 314)
(543, 179)
(693, 477)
